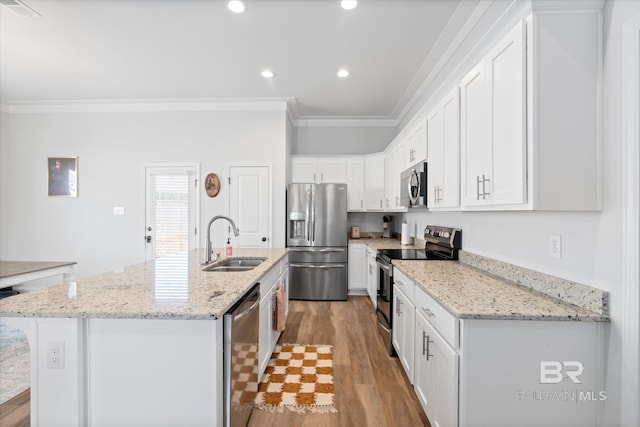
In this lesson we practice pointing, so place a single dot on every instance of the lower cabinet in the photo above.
(473, 372)
(358, 276)
(403, 324)
(268, 337)
(372, 276)
(435, 374)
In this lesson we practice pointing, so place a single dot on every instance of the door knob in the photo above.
(147, 239)
(264, 239)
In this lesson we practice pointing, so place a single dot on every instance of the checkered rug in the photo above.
(298, 378)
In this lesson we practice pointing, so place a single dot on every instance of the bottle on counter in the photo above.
(228, 250)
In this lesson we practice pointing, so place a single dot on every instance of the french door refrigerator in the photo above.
(317, 241)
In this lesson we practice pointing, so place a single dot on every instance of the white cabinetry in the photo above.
(443, 126)
(415, 146)
(403, 321)
(318, 169)
(372, 276)
(268, 336)
(358, 269)
(355, 184)
(530, 116)
(392, 170)
(493, 135)
(374, 178)
(435, 363)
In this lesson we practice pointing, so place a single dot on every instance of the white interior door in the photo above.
(250, 205)
(170, 210)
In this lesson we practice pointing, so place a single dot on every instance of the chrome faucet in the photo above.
(236, 232)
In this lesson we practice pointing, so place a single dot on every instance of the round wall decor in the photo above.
(212, 185)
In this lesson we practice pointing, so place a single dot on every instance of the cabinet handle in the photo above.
(380, 203)
(360, 204)
(322, 177)
(399, 283)
(424, 343)
(484, 191)
(428, 312)
(314, 177)
(478, 186)
(428, 341)
(398, 304)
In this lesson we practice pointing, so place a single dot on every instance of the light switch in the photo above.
(118, 210)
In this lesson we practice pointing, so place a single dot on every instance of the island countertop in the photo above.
(470, 293)
(173, 287)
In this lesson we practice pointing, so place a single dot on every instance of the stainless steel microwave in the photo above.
(413, 186)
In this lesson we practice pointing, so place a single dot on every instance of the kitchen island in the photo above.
(141, 347)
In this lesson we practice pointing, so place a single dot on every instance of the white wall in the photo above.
(341, 140)
(111, 148)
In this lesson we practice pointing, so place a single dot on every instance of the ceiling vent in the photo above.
(19, 8)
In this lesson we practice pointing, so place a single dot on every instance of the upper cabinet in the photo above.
(355, 184)
(443, 126)
(493, 126)
(374, 178)
(415, 146)
(530, 117)
(318, 170)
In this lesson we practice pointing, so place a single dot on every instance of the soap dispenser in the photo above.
(228, 250)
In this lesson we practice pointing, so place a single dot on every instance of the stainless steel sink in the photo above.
(235, 264)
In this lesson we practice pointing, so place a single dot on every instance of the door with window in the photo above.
(170, 210)
(249, 205)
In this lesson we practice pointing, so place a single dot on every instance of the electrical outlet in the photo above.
(55, 355)
(118, 210)
(555, 245)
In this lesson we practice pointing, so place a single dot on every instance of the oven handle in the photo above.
(386, 268)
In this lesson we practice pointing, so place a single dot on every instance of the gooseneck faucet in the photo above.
(236, 232)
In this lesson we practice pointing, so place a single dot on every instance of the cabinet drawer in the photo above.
(444, 322)
(403, 283)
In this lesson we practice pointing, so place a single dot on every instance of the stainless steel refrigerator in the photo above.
(317, 241)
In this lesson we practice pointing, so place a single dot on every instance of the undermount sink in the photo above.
(235, 264)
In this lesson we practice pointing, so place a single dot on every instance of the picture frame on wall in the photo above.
(62, 176)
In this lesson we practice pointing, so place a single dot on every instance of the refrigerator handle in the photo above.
(313, 215)
(307, 222)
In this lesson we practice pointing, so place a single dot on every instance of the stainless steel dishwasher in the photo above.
(240, 355)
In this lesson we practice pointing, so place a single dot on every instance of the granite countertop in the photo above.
(470, 293)
(173, 287)
(380, 243)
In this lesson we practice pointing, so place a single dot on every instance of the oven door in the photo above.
(384, 298)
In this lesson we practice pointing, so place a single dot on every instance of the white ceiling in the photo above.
(110, 50)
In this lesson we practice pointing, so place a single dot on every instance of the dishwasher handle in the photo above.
(317, 265)
(247, 311)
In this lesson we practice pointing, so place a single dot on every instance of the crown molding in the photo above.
(146, 105)
(345, 122)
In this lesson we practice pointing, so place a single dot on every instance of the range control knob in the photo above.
(427, 231)
(446, 234)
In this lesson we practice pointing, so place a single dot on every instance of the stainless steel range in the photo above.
(441, 244)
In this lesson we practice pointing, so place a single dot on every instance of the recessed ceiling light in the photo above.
(267, 74)
(349, 4)
(236, 6)
(342, 73)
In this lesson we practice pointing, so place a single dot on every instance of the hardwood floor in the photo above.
(371, 388)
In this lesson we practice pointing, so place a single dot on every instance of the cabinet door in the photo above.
(444, 369)
(424, 375)
(450, 181)
(374, 182)
(474, 134)
(331, 170)
(418, 150)
(435, 172)
(303, 169)
(357, 268)
(372, 282)
(403, 329)
(506, 65)
(355, 184)
(264, 333)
